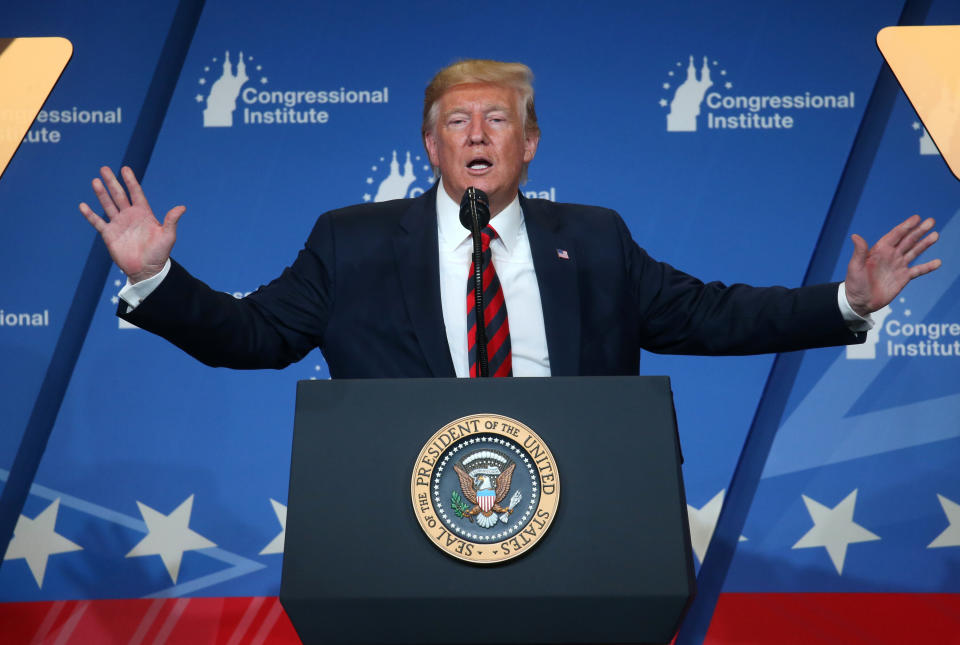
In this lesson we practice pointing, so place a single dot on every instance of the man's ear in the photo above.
(530, 143)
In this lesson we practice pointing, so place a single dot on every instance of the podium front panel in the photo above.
(615, 565)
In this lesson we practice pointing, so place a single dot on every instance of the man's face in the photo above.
(478, 141)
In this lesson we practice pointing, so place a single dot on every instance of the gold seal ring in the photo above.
(485, 488)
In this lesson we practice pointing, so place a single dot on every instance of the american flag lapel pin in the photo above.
(562, 254)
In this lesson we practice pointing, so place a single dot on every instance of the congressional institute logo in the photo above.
(485, 488)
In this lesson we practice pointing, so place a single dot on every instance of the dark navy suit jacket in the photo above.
(366, 290)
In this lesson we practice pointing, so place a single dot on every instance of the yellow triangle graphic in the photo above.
(926, 62)
(29, 68)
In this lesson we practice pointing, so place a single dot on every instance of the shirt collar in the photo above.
(452, 234)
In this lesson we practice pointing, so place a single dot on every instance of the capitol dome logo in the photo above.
(221, 101)
(927, 146)
(415, 179)
(688, 96)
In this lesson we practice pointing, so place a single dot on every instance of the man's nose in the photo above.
(477, 133)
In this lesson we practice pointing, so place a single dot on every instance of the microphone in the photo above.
(474, 207)
(475, 215)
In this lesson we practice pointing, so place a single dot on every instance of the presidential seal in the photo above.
(485, 488)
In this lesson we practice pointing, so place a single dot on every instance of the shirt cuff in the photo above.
(855, 322)
(134, 294)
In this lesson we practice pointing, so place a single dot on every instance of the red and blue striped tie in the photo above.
(494, 316)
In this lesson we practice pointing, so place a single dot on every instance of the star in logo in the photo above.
(276, 544)
(703, 521)
(834, 529)
(951, 534)
(36, 540)
(169, 536)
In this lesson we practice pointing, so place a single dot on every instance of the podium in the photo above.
(615, 565)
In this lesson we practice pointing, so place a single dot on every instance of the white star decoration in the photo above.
(834, 529)
(276, 544)
(703, 521)
(950, 535)
(169, 536)
(36, 540)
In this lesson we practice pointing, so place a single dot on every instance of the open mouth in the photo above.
(480, 163)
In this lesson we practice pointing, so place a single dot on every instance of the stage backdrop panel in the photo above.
(86, 122)
(860, 493)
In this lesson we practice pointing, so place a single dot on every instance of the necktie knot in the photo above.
(488, 235)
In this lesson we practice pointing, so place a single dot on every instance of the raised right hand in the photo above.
(137, 242)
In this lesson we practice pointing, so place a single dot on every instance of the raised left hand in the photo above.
(875, 275)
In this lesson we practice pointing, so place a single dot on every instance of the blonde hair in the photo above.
(513, 75)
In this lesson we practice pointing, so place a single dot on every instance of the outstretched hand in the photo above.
(137, 242)
(876, 275)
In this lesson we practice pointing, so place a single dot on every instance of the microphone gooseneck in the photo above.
(475, 215)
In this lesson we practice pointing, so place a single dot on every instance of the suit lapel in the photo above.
(418, 265)
(557, 278)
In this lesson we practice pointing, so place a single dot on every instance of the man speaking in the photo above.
(386, 289)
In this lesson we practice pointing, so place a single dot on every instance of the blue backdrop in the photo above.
(733, 186)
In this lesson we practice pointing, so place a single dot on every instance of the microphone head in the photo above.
(474, 202)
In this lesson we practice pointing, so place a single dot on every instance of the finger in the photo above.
(109, 208)
(921, 246)
(95, 220)
(172, 217)
(901, 230)
(860, 248)
(116, 190)
(911, 238)
(133, 187)
(926, 267)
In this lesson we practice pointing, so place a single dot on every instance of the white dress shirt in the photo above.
(513, 261)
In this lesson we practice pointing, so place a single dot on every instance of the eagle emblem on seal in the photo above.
(485, 477)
